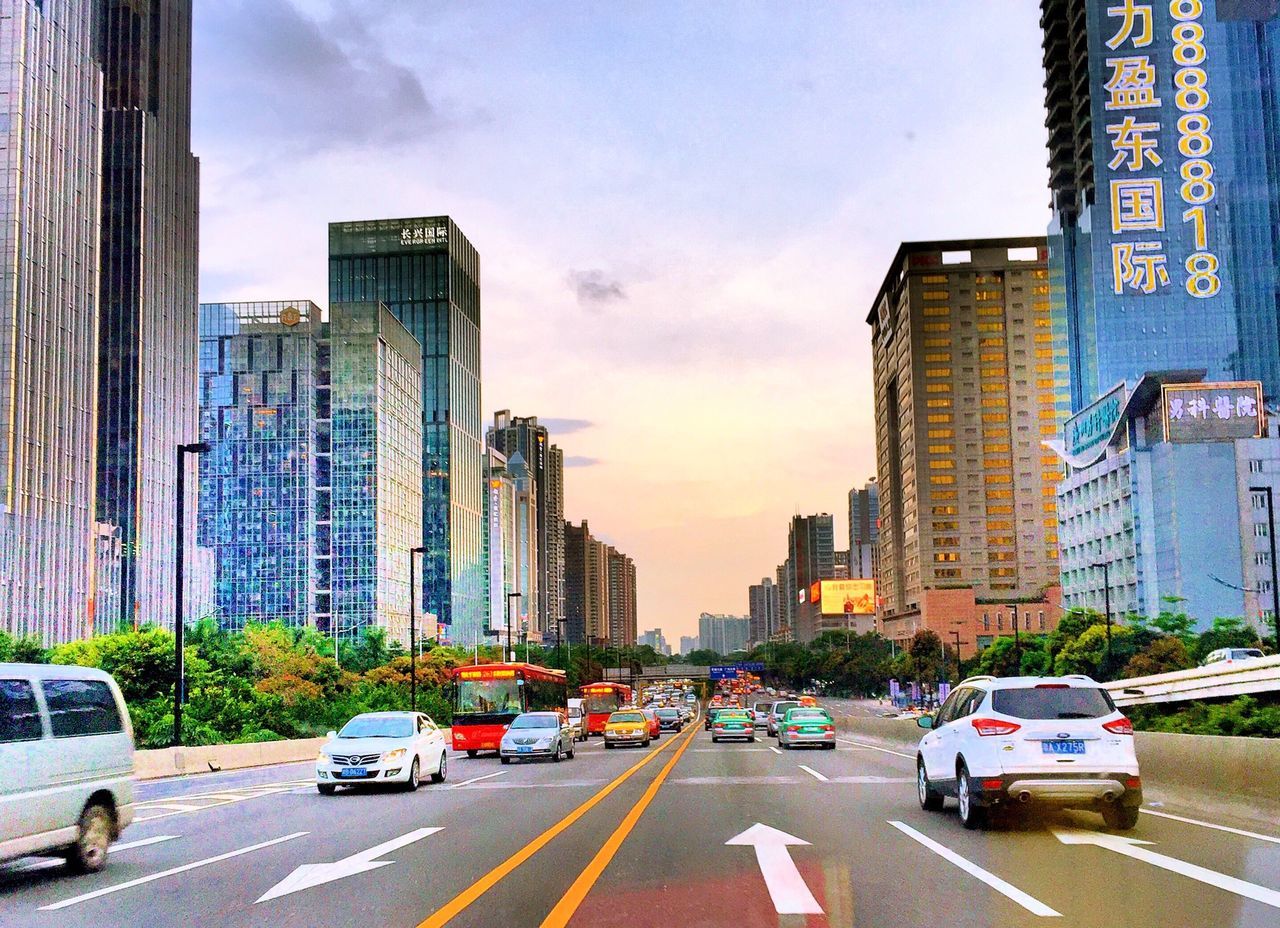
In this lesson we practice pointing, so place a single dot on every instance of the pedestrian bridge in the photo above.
(659, 672)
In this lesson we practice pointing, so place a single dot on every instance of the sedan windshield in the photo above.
(808, 715)
(377, 726)
(626, 717)
(536, 721)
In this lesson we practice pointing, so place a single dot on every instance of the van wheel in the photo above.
(89, 853)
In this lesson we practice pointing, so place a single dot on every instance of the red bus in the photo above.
(486, 697)
(599, 699)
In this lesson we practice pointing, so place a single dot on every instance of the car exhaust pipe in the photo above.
(1024, 796)
(1108, 796)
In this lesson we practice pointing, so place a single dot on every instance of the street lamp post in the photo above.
(179, 623)
(956, 635)
(1106, 599)
(1017, 641)
(413, 642)
(511, 647)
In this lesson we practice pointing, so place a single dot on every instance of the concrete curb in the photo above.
(173, 762)
(1214, 763)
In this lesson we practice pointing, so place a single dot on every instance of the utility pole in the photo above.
(1275, 571)
(179, 621)
(413, 644)
(1106, 598)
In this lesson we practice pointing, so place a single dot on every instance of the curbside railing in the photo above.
(1241, 767)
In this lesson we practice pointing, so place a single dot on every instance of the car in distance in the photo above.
(1231, 656)
(669, 719)
(382, 747)
(1027, 742)
(806, 725)
(626, 726)
(711, 717)
(733, 723)
(776, 712)
(537, 734)
(655, 727)
(577, 721)
(66, 749)
(760, 714)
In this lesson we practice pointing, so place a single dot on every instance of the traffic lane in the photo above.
(171, 787)
(857, 708)
(483, 822)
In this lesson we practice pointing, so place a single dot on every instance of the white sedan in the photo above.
(382, 747)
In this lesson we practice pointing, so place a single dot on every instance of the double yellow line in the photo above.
(576, 893)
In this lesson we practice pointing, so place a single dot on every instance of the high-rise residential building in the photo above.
(51, 93)
(622, 598)
(763, 604)
(428, 275)
(525, 554)
(655, 639)
(864, 530)
(148, 313)
(1164, 161)
(310, 497)
(688, 643)
(969, 380)
(723, 634)
(840, 570)
(512, 434)
(810, 558)
(586, 586)
(500, 537)
(785, 630)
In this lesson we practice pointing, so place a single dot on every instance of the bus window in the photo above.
(488, 696)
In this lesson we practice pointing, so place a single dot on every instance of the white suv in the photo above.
(1050, 741)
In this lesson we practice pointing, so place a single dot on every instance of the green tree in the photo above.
(22, 650)
(1087, 654)
(703, 657)
(1226, 632)
(1163, 655)
(928, 660)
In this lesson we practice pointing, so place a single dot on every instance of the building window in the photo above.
(1260, 530)
(1255, 467)
(1262, 558)
(1040, 617)
(1000, 620)
(986, 622)
(1259, 501)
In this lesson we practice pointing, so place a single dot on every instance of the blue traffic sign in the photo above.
(723, 673)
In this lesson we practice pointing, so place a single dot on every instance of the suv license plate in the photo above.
(354, 772)
(1062, 747)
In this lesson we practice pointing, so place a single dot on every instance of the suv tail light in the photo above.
(1120, 726)
(989, 727)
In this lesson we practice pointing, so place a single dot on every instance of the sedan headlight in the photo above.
(392, 756)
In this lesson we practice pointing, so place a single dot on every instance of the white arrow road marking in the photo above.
(787, 888)
(309, 875)
(1194, 821)
(1030, 903)
(115, 849)
(1129, 847)
(170, 872)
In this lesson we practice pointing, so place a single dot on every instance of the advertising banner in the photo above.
(848, 597)
(1212, 411)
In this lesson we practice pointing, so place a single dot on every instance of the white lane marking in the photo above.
(1226, 828)
(170, 872)
(813, 773)
(178, 805)
(487, 776)
(774, 750)
(115, 849)
(787, 888)
(1129, 847)
(872, 747)
(309, 875)
(1030, 903)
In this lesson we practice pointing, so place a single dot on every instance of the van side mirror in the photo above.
(925, 721)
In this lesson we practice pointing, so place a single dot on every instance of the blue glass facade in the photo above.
(428, 275)
(1165, 165)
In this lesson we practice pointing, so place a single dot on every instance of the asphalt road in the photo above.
(642, 838)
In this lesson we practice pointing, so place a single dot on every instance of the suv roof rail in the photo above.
(981, 676)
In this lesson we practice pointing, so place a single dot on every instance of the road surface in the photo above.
(686, 833)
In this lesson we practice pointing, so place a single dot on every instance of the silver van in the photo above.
(66, 763)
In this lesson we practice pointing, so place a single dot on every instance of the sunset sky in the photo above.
(683, 211)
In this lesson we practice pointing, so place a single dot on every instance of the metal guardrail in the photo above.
(1238, 678)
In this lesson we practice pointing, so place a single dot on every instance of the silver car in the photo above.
(537, 734)
(778, 710)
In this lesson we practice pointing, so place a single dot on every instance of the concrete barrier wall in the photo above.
(1244, 767)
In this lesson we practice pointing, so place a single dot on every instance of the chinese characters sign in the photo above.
(381, 235)
(1157, 145)
(1088, 431)
(1212, 411)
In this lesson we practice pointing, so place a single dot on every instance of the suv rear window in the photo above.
(1053, 702)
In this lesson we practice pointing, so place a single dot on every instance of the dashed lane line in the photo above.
(487, 776)
(813, 773)
(115, 849)
(1235, 831)
(872, 747)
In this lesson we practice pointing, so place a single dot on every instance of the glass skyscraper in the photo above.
(428, 275)
(1164, 158)
(50, 136)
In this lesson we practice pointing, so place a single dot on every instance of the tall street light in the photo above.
(511, 648)
(179, 622)
(1106, 598)
(956, 635)
(413, 642)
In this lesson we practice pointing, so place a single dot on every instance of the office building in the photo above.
(864, 530)
(526, 554)
(970, 378)
(786, 603)
(428, 275)
(622, 597)
(148, 313)
(654, 639)
(810, 558)
(512, 434)
(1164, 159)
(500, 539)
(763, 606)
(310, 497)
(586, 586)
(50, 142)
(724, 634)
(688, 643)
(840, 569)
(1169, 492)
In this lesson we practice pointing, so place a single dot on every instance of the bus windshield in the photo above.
(488, 696)
(600, 702)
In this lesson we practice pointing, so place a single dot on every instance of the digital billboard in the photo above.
(848, 597)
(1212, 411)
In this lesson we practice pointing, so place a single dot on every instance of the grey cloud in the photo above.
(580, 460)
(271, 77)
(565, 426)
(595, 288)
